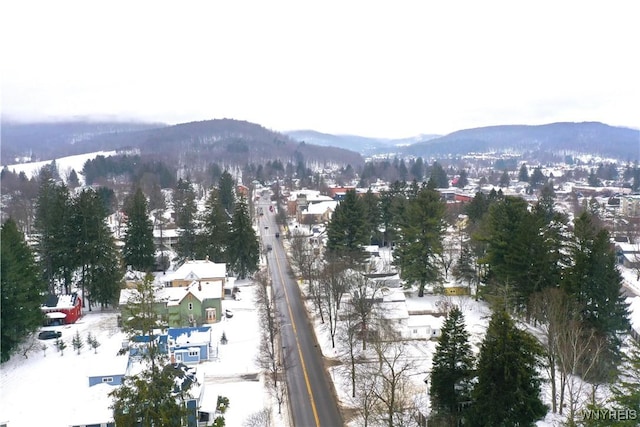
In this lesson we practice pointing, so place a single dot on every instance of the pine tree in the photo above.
(215, 235)
(226, 191)
(77, 342)
(504, 179)
(347, 232)
(138, 251)
(153, 395)
(244, 249)
(463, 179)
(465, 269)
(93, 342)
(95, 250)
(55, 242)
(452, 369)
(184, 205)
(22, 289)
(372, 209)
(595, 283)
(420, 239)
(507, 392)
(73, 181)
(439, 176)
(523, 175)
(626, 392)
(417, 169)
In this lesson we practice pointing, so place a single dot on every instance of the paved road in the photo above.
(311, 393)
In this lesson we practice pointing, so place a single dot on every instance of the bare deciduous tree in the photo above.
(393, 388)
(334, 284)
(305, 260)
(258, 419)
(553, 311)
(270, 356)
(579, 353)
(363, 299)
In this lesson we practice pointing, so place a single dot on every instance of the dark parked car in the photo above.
(49, 335)
(277, 234)
(228, 314)
(269, 247)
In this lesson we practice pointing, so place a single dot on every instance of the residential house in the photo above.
(196, 270)
(190, 345)
(317, 213)
(628, 254)
(110, 370)
(197, 304)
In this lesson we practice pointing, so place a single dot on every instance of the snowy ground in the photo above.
(64, 164)
(52, 389)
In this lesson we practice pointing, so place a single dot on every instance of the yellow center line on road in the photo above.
(295, 332)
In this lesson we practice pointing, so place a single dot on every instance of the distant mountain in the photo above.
(362, 144)
(191, 145)
(586, 137)
(46, 140)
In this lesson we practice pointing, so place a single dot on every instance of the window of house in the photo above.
(211, 314)
(107, 379)
(190, 306)
(194, 353)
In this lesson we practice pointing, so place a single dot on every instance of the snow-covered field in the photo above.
(51, 389)
(64, 164)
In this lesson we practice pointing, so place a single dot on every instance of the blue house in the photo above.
(189, 345)
(110, 370)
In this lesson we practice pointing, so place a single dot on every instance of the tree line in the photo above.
(74, 247)
(529, 262)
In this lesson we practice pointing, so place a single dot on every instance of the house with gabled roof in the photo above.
(196, 270)
(197, 304)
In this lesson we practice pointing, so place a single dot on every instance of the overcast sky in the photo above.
(372, 68)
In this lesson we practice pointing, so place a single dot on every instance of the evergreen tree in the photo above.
(55, 243)
(95, 250)
(463, 179)
(592, 179)
(77, 342)
(477, 208)
(392, 204)
(227, 191)
(243, 243)
(465, 269)
(523, 175)
(184, 205)
(138, 251)
(537, 178)
(347, 232)
(214, 238)
(507, 392)
(420, 239)
(439, 176)
(157, 395)
(595, 282)
(372, 209)
(626, 392)
(417, 169)
(504, 179)
(452, 369)
(22, 290)
(73, 180)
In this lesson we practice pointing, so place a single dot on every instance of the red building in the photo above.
(63, 309)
